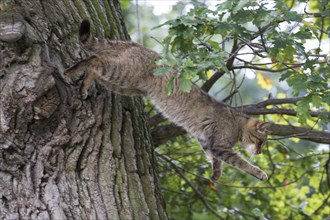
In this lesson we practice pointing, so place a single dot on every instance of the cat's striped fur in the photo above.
(127, 68)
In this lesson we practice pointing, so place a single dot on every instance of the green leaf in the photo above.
(316, 100)
(314, 182)
(166, 42)
(191, 21)
(182, 43)
(300, 48)
(292, 16)
(289, 52)
(298, 83)
(162, 70)
(214, 44)
(302, 109)
(240, 5)
(281, 42)
(222, 28)
(169, 86)
(286, 75)
(303, 34)
(185, 85)
(205, 65)
(257, 212)
(173, 23)
(226, 5)
(262, 18)
(310, 64)
(326, 97)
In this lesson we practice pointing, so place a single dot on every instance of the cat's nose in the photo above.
(258, 151)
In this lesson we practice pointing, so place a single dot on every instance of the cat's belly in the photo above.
(190, 116)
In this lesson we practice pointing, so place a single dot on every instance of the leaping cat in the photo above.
(127, 68)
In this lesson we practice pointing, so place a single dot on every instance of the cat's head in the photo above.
(255, 135)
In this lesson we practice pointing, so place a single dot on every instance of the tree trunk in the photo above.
(62, 157)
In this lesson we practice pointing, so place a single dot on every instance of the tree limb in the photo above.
(156, 119)
(302, 133)
(217, 75)
(278, 101)
(161, 134)
(268, 70)
(251, 110)
(209, 83)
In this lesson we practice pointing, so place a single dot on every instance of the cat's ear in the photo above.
(84, 31)
(263, 127)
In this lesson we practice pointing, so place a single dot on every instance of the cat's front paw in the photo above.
(262, 175)
(84, 94)
(84, 91)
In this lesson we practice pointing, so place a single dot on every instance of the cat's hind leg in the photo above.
(216, 162)
(217, 169)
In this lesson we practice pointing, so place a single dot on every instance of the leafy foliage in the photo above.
(198, 42)
(297, 187)
(264, 48)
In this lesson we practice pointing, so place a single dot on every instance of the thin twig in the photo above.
(140, 40)
(322, 205)
(267, 69)
(278, 101)
(198, 193)
(251, 110)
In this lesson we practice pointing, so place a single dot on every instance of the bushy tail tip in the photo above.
(84, 31)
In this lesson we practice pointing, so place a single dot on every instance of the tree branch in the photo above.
(302, 133)
(217, 75)
(156, 119)
(278, 101)
(251, 110)
(161, 134)
(268, 70)
(209, 83)
(324, 203)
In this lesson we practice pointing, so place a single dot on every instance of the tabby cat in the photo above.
(127, 68)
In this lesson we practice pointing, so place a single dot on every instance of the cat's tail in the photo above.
(85, 32)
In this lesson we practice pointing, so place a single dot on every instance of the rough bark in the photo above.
(62, 157)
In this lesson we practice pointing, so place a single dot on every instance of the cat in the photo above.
(127, 68)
